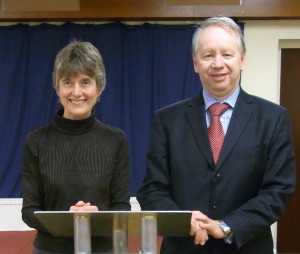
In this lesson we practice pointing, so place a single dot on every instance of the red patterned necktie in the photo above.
(215, 130)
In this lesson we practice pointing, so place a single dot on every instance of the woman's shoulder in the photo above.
(38, 134)
(110, 129)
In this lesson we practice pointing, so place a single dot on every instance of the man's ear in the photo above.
(195, 64)
(243, 62)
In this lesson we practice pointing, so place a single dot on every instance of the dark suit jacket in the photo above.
(248, 189)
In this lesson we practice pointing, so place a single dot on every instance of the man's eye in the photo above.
(227, 55)
(208, 56)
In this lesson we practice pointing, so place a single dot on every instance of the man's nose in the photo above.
(217, 62)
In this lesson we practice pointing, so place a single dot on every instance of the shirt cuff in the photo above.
(229, 239)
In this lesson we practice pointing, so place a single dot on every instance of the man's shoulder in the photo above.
(262, 103)
(178, 106)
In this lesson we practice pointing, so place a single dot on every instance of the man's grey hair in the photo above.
(224, 22)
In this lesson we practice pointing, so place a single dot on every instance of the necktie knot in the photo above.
(218, 109)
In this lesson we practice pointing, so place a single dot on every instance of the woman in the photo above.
(76, 162)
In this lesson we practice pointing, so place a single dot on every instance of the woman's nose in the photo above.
(76, 89)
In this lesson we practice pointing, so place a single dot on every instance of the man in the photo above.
(238, 183)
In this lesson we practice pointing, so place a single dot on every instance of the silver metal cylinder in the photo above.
(149, 235)
(82, 234)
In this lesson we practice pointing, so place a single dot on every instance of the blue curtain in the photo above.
(148, 67)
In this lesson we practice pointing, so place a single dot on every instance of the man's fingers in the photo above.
(201, 236)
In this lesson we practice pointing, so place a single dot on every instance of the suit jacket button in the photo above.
(218, 175)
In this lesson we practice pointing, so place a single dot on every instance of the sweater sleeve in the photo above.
(120, 184)
(32, 186)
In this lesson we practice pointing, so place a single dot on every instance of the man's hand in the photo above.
(202, 226)
(200, 233)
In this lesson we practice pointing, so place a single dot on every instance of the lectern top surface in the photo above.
(169, 223)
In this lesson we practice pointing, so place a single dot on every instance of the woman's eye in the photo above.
(86, 83)
(67, 84)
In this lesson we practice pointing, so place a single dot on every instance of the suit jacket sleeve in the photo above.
(277, 185)
(156, 190)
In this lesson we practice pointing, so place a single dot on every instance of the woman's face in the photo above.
(78, 94)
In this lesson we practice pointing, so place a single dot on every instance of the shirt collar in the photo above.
(230, 100)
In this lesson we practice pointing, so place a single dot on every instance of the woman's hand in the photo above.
(82, 206)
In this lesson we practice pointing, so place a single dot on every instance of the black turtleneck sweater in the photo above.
(72, 160)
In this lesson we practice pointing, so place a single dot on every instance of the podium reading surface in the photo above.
(169, 223)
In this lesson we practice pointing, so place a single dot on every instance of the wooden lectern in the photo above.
(118, 224)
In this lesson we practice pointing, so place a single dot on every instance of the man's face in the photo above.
(219, 61)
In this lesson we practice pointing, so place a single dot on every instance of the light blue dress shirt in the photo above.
(226, 116)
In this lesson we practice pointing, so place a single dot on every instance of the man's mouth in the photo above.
(218, 75)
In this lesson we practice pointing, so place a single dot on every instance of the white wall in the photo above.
(10, 215)
(263, 41)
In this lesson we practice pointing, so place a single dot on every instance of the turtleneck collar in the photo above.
(75, 127)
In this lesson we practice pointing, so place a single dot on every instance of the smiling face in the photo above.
(219, 61)
(78, 94)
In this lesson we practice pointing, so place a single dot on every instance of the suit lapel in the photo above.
(195, 114)
(241, 115)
